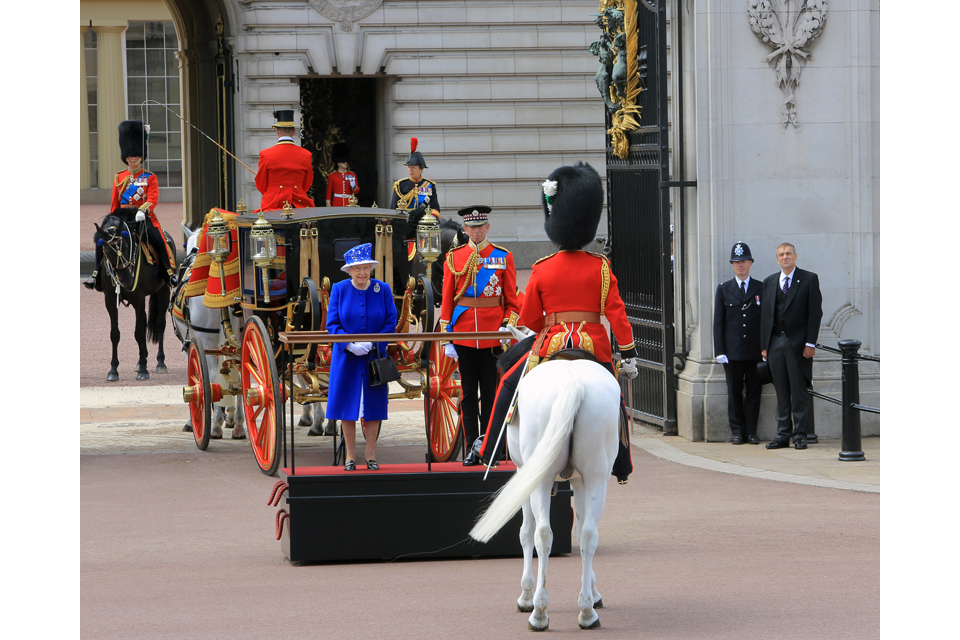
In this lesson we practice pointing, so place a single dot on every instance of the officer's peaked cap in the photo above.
(573, 215)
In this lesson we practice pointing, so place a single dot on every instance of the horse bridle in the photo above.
(114, 242)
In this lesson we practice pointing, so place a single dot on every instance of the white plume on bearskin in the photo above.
(572, 216)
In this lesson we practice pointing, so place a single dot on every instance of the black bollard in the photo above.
(850, 445)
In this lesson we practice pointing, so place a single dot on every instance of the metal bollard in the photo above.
(850, 444)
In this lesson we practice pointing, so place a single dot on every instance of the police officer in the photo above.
(415, 191)
(285, 170)
(479, 294)
(736, 343)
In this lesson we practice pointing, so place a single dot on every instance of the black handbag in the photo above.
(382, 370)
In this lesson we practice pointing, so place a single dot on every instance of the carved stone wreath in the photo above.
(346, 11)
(786, 26)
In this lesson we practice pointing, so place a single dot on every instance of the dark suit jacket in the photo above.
(803, 313)
(736, 320)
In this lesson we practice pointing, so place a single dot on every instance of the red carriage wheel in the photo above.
(197, 394)
(262, 402)
(442, 408)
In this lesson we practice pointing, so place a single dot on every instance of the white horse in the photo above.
(566, 425)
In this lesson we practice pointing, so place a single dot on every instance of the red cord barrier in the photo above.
(277, 493)
(282, 516)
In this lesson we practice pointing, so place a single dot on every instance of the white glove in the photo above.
(450, 351)
(519, 333)
(723, 360)
(359, 348)
(628, 369)
(506, 341)
(141, 216)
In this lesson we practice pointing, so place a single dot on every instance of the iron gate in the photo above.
(638, 221)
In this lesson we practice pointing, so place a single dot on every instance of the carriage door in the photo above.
(638, 219)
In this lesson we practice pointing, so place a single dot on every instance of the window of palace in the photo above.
(153, 77)
(90, 63)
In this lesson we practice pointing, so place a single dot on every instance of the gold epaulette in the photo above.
(599, 255)
(546, 257)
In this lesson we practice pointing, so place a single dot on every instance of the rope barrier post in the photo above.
(851, 448)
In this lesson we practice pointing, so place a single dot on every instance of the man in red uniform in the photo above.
(135, 188)
(342, 183)
(568, 294)
(479, 294)
(285, 170)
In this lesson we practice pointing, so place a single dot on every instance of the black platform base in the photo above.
(403, 511)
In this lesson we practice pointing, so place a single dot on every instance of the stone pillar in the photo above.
(111, 102)
(84, 119)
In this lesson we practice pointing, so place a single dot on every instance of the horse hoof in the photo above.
(161, 368)
(242, 436)
(187, 428)
(524, 608)
(598, 604)
(304, 422)
(330, 428)
(112, 377)
(530, 627)
(143, 376)
(216, 437)
(595, 625)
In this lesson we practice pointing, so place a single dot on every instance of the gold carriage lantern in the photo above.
(218, 241)
(263, 250)
(428, 239)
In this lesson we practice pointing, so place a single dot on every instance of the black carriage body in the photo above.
(338, 230)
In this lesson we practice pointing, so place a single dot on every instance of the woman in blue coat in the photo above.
(358, 305)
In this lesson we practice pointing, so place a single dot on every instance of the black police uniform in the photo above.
(736, 334)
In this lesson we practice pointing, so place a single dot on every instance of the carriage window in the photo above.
(340, 247)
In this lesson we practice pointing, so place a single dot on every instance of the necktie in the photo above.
(743, 288)
(786, 284)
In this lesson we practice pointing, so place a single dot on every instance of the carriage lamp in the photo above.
(263, 250)
(218, 241)
(428, 240)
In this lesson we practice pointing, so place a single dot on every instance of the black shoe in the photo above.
(372, 465)
(752, 439)
(473, 458)
(90, 284)
(736, 440)
(351, 465)
(799, 443)
(623, 479)
(778, 444)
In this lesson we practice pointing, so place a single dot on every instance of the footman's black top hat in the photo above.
(475, 216)
(284, 119)
(740, 251)
(133, 140)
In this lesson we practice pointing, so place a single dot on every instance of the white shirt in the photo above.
(282, 138)
(745, 283)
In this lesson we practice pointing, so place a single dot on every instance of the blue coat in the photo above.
(353, 311)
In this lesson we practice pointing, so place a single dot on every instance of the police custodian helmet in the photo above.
(740, 251)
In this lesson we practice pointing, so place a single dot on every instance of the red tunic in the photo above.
(340, 186)
(502, 284)
(284, 174)
(573, 281)
(145, 198)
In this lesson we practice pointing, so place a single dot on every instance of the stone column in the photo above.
(111, 102)
(84, 119)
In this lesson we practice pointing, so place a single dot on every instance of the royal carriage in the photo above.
(270, 275)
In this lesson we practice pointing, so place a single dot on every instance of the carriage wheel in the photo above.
(198, 382)
(262, 402)
(443, 415)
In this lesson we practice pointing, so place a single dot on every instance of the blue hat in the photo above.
(359, 255)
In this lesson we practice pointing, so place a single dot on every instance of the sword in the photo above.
(506, 421)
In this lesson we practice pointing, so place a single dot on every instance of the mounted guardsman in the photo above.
(138, 189)
(479, 294)
(568, 294)
(285, 170)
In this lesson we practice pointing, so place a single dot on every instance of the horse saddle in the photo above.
(571, 354)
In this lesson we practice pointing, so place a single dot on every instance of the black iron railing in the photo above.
(850, 436)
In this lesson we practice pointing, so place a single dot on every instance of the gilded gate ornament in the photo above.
(786, 26)
(618, 78)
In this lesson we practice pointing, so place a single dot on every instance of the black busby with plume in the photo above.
(572, 199)
(415, 157)
(340, 153)
(133, 140)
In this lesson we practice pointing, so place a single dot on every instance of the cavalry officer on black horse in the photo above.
(565, 299)
(479, 294)
(138, 189)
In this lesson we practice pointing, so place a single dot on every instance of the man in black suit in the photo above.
(736, 344)
(789, 325)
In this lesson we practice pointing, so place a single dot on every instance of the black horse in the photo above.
(128, 277)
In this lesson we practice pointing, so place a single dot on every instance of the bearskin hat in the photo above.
(572, 211)
(340, 153)
(133, 140)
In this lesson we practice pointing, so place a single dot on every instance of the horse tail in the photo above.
(157, 314)
(513, 494)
